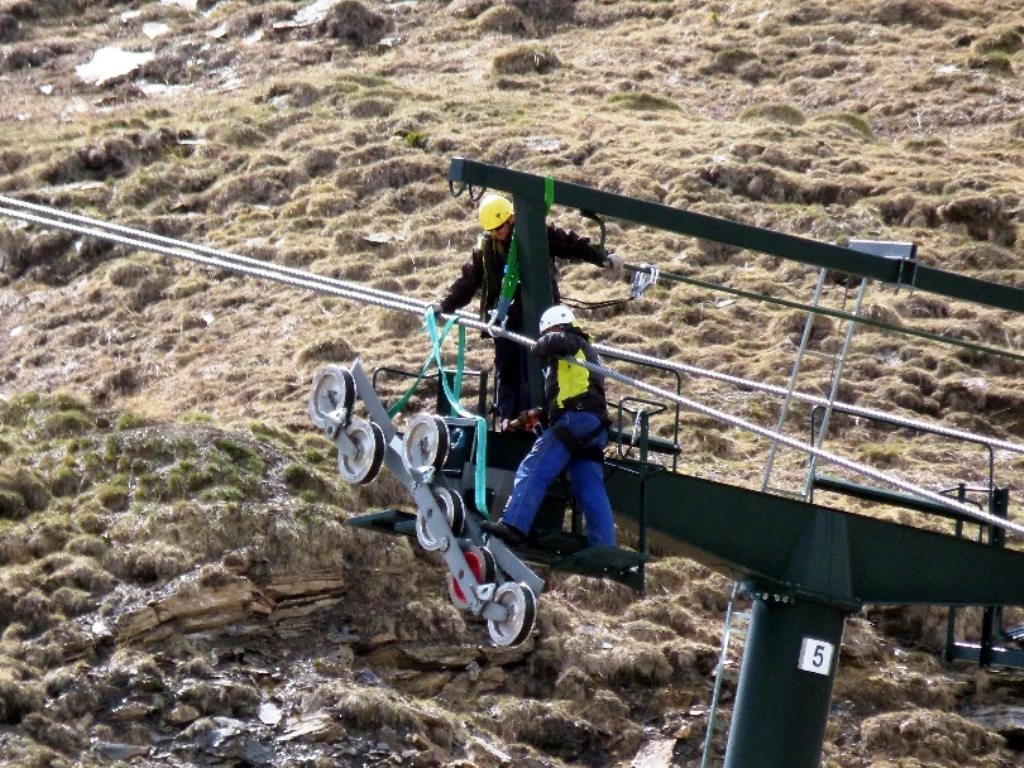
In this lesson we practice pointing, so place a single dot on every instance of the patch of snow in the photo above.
(231, 84)
(311, 14)
(255, 37)
(188, 5)
(544, 144)
(383, 237)
(161, 89)
(218, 32)
(46, 89)
(110, 62)
(154, 29)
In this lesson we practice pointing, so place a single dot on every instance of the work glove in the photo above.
(614, 262)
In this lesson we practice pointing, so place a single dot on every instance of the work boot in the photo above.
(507, 533)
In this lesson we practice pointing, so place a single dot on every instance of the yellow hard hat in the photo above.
(495, 210)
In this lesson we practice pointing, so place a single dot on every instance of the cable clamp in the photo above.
(643, 278)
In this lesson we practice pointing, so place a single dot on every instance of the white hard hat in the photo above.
(556, 315)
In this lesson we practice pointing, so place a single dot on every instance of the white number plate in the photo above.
(816, 656)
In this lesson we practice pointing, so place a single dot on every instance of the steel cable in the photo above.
(246, 263)
(97, 228)
(853, 410)
(213, 258)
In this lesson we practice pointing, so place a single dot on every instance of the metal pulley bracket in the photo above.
(643, 278)
(491, 581)
(342, 441)
(332, 396)
(485, 592)
(336, 421)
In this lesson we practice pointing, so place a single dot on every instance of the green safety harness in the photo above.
(642, 280)
(510, 281)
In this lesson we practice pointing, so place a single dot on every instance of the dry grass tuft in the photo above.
(22, 492)
(643, 101)
(785, 114)
(353, 23)
(922, 626)
(62, 737)
(919, 13)
(334, 349)
(507, 20)
(549, 726)
(18, 697)
(432, 620)
(858, 124)
(524, 60)
(663, 611)
(373, 708)
(937, 738)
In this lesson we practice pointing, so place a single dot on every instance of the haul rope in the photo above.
(55, 219)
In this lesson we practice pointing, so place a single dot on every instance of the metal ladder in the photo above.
(837, 360)
(903, 251)
(731, 616)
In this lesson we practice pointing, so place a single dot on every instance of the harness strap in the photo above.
(510, 280)
(578, 445)
(480, 478)
(404, 399)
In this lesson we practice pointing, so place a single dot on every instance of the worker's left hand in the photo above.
(614, 262)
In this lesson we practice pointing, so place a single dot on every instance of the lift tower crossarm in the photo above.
(807, 567)
(806, 550)
(899, 271)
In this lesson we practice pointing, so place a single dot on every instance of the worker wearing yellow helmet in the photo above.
(483, 272)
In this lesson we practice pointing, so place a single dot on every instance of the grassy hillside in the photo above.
(176, 585)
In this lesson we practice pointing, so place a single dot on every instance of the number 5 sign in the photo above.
(816, 656)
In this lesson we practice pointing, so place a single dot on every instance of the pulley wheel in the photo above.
(333, 388)
(454, 510)
(519, 601)
(363, 467)
(425, 443)
(484, 569)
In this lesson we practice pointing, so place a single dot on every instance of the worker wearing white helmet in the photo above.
(484, 272)
(576, 414)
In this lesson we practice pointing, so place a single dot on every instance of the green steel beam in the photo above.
(473, 174)
(807, 550)
(535, 276)
(799, 548)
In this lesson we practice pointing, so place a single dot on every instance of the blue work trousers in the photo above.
(545, 461)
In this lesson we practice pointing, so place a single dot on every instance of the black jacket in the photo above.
(569, 387)
(485, 270)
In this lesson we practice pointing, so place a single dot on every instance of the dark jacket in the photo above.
(485, 270)
(569, 387)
